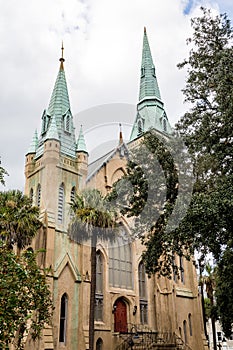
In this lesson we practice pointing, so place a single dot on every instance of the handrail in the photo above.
(149, 339)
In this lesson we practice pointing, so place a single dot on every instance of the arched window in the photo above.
(61, 197)
(72, 194)
(72, 197)
(174, 269)
(190, 325)
(165, 125)
(185, 331)
(99, 272)
(66, 122)
(140, 126)
(99, 287)
(38, 195)
(99, 344)
(31, 194)
(142, 280)
(120, 262)
(182, 269)
(142, 293)
(63, 318)
(43, 123)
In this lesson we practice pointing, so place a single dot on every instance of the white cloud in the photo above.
(103, 42)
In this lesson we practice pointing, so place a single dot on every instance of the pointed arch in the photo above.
(67, 122)
(72, 197)
(99, 296)
(140, 126)
(61, 202)
(190, 325)
(72, 194)
(182, 269)
(38, 195)
(120, 316)
(164, 125)
(120, 261)
(31, 194)
(143, 293)
(99, 344)
(185, 331)
(63, 318)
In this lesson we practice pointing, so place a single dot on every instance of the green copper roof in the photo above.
(57, 120)
(52, 132)
(59, 102)
(81, 144)
(33, 144)
(150, 108)
(148, 81)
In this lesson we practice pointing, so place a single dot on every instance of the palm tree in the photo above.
(92, 220)
(209, 280)
(19, 220)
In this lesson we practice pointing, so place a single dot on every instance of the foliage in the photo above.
(207, 131)
(91, 211)
(3, 173)
(19, 220)
(224, 290)
(207, 306)
(156, 190)
(24, 298)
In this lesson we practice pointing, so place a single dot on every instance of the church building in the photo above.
(132, 311)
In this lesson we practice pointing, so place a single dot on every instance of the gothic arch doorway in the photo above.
(120, 316)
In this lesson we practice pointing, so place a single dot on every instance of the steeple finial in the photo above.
(62, 60)
(145, 30)
(121, 135)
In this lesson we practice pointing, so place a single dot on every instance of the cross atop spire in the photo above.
(62, 60)
(120, 135)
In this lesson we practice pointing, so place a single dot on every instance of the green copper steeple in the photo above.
(81, 144)
(59, 114)
(34, 143)
(150, 108)
(148, 82)
(52, 133)
(59, 102)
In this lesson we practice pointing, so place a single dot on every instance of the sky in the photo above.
(102, 50)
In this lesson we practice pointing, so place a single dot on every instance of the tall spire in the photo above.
(59, 102)
(57, 120)
(34, 143)
(81, 144)
(148, 82)
(150, 109)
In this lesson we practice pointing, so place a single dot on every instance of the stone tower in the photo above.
(55, 168)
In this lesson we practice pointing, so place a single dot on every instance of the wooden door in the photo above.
(120, 317)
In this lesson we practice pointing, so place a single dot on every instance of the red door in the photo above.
(120, 317)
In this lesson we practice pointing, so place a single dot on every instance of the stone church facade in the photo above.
(131, 310)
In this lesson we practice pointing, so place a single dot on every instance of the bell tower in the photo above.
(53, 175)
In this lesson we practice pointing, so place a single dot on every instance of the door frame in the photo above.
(118, 327)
